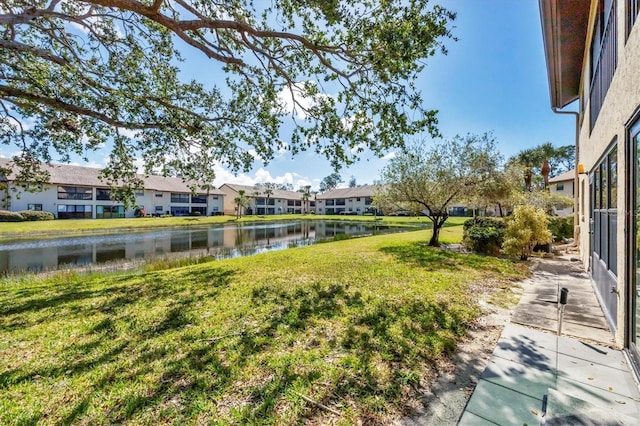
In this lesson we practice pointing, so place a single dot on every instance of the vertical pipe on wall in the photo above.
(576, 183)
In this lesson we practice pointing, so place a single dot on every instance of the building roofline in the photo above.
(564, 33)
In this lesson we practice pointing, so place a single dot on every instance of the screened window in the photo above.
(633, 7)
(179, 198)
(103, 194)
(605, 215)
(66, 211)
(109, 212)
(560, 187)
(603, 55)
(74, 193)
(199, 199)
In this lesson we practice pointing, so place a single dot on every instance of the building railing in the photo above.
(605, 67)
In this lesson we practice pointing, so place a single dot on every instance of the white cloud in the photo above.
(389, 155)
(358, 148)
(293, 101)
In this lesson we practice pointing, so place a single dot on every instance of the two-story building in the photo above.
(267, 202)
(75, 192)
(563, 185)
(357, 201)
(592, 49)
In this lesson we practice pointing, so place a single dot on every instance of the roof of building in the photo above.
(564, 177)
(65, 174)
(250, 191)
(564, 30)
(358, 191)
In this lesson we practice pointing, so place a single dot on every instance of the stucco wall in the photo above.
(622, 100)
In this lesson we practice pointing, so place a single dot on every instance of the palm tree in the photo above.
(241, 202)
(268, 192)
(306, 195)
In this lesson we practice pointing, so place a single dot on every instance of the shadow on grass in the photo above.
(435, 259)
(136, 364)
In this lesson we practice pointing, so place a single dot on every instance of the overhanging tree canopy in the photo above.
(78, 74)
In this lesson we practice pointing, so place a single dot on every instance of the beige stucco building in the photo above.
(356, 201)
(563, 185)
(277, 201)
(593, 57)
(75, 192)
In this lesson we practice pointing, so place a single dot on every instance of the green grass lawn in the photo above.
(357, 326)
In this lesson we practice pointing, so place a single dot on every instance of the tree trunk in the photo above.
(437, 225)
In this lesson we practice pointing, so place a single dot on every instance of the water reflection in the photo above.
(220, 241)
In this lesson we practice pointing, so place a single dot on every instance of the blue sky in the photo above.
(492, 80)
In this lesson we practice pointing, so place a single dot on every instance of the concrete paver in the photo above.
(537, 377)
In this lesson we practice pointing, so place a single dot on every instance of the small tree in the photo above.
(526, 228)
(429, 180)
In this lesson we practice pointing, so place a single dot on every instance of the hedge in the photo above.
(24, 215)
(32, 215)
(484, 235)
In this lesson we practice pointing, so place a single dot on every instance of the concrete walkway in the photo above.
(537, 377)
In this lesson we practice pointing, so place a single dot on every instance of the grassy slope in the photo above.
(356, 325)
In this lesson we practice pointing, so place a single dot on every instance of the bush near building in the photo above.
(25, 215)
(561, 227)
(526, 228)
(484, 235)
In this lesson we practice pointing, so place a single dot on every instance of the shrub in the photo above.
(526, 228)
(484, 235)
(561, 227)
(139, 212)
(7, 216)
(34, 215)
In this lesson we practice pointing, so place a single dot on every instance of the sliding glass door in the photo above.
(634, 245)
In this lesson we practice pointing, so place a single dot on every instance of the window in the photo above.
(605, 216)
(66, 211)
(199, 199)
(159, 208)
(340, 202)
(103, 194)
(633, 7)
(180, 211)
(368, 201)
(34, 187)
(290, 202)
(179, 198)
(139, 193)
(604, 52)
(109, 212)
(560, 187)
(74, 193)
(159, 194)
(34, 207)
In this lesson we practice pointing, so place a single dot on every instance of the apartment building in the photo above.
(76, 192)
(263, 202)
(563, 185)
(592, 49)
(357, 201)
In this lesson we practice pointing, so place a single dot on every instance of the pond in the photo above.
(220, 241)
